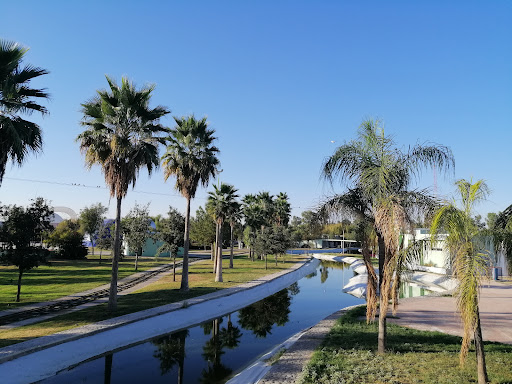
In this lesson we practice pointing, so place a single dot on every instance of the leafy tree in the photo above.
(22, 229)
(18, 136)
(378, 177)
(272, 240)
(469, 259)
(171, 352)
(69, 238)
(202, 228)
(490, 220)
(192, 158)
(137, 229)
(312, 226)
(91, 219)
(221, 203)
(121, 136)
(171, 232)
(104, 239)
(234, 217)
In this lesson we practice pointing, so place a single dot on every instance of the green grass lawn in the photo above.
(64, 277)
(348, 355)
(163, 291)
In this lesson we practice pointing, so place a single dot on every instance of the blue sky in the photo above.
(278, 80)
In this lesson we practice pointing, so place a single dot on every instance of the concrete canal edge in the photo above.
(50, 354)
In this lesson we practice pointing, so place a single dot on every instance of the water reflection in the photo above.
(171, 351)
(217, 349)
(261, 316)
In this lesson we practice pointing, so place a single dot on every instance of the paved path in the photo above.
(440, 314)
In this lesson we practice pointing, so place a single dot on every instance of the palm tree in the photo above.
(221, 202)
(381, 175)
(192, 158)
(282, 209)
(121, 136)
(470, 258)
(18, 137)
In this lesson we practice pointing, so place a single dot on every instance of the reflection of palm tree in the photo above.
(171, 351)
(230, 336)
(260, 317)
(212, 351)
(107, 375)
(324, 274)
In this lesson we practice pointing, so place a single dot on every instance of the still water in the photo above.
(217, 349)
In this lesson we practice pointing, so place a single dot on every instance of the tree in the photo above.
(379, 176)
(221, 203)
(69, 238)
(121, 136)
(104, 239)
(137, 229)
(192, 158)
(21, 233)
(234, 216)
(202, 228)
(171, 232)
(282, 209)
(91, 219)
(469, 255)
(18, 136)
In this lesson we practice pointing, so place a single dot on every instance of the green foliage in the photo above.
(22, 233)
(18, 137)
(69, 238)
(202, 228)
(171, 232)
(136, 228)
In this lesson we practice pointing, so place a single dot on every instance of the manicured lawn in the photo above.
(63, 277)
(163, 291)
(348, 355)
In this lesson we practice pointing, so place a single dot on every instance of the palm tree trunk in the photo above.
(382, 329)
(20, 273)
(184, 269)
(479, 349)
(112, 297)
(174, 268)
(218, 275)
(231, 254)
(382, 256)
(212, 256)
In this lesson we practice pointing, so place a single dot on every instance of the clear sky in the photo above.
(278, 81)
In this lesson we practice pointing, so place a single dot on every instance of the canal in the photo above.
(219, 348)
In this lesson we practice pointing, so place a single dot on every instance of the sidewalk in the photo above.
(440, 313)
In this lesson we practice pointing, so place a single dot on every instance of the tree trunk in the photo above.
(174, 268)
(479, 349)
(265, 261)
(212, 257)
(136, 261)
(382, 329)
(20, 273)
(218, 275)
(184, 268)
(92, 246)
(382, 257)
(112, 298)
(231, 254)
(215, 253)
(101, 251)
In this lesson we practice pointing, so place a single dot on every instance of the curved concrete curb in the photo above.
(50, 354)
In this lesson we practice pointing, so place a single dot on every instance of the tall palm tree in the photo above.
(221, 202)
(192, 158)
(18, 136)
(381, 174)
(282, 209)
(121, 136)
(470, 258)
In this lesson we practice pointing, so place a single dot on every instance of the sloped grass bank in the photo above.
(348, 355)
(163, 291)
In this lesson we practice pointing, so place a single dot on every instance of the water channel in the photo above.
(217, 349)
